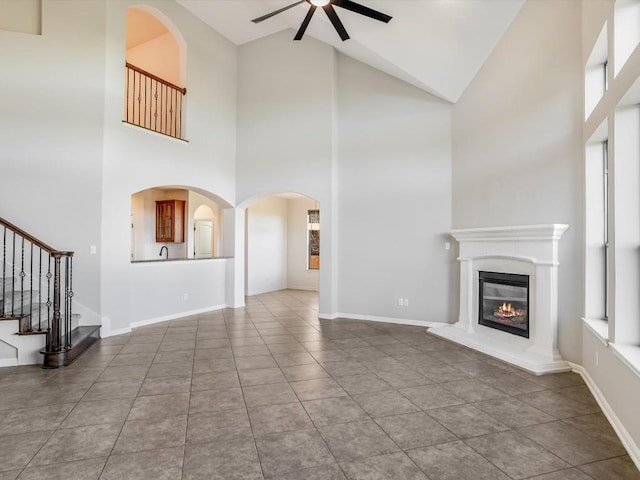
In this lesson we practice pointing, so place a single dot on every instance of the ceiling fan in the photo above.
(327, 6)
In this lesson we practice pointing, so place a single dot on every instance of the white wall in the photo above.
(286, 138)
(298, 275)
(187, 287)
(159, 56)
(517, 143)
(135, 159)
(266, 260)
(51, 135)
(24, 16)
(63, 138)
(394, 180)
(309, 122)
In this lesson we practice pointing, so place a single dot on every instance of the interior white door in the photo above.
(203, 239)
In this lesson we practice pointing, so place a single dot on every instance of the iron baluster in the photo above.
(49, 295)
(13, 275)
(145, 102)
(56, 339)
(4, 268)
(39, 289)
(30, 286)
(166, 110)
(21, 275)
(67, 318)
(128, 73)
(172, 127)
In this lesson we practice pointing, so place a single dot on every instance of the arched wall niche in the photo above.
(144, 203)
(155, 44)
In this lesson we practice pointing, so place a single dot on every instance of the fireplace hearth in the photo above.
(504, 302)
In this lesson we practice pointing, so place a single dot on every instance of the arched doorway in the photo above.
(203, 232)
(282, 248)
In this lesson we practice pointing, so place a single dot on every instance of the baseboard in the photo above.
(374, 318)
(303, 289)
(625, 438)
(105, 333)
(8, 362)
(87, 316)
(173, 316)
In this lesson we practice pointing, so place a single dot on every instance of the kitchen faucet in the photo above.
(164, 247)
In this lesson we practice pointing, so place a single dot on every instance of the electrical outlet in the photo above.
(92, 250)
(400, 302)
(405, 302)
(447, 245)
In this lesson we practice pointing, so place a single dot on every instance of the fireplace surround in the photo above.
(509, 255)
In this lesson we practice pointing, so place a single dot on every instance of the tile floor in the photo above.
(271, 392)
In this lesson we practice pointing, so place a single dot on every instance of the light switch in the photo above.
(92, 250)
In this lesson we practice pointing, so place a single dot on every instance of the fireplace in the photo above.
(530, 255)
(504, 302)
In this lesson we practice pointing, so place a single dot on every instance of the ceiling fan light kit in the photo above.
(327, 6)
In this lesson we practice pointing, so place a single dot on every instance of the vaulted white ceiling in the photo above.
(436, 45)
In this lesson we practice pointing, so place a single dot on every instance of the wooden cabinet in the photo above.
(170, 221)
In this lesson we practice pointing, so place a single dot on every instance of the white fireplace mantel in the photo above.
(527, 250)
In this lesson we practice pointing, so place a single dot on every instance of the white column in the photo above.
(234, 246)
(466, 317)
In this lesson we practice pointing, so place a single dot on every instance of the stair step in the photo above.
(8, 283)
(26, 327)
(11, 285)
(34, 332)
(81, 339)
(24, 297)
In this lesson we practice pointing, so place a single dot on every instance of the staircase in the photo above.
(36, 300)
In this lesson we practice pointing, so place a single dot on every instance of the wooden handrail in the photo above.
(26, 236)
(156, 78)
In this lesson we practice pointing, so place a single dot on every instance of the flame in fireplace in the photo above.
(507, 310)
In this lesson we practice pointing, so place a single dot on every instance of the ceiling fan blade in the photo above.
(333, 16)
(362, 10)
(305, 23)
(269, 15)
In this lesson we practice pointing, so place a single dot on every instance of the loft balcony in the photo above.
(153, 103)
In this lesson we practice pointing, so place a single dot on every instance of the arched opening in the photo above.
(164, 224)
(204, 228)
(155, 73)
(281, 244)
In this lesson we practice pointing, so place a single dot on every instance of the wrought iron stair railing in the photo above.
(36, 287)
(153, 103)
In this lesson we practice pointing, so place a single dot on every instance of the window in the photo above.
(605, 223)
(626, 31)
(313, 239)
(598, 259)
(596, 74)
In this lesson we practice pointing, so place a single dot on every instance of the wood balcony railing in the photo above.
(153, 103)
